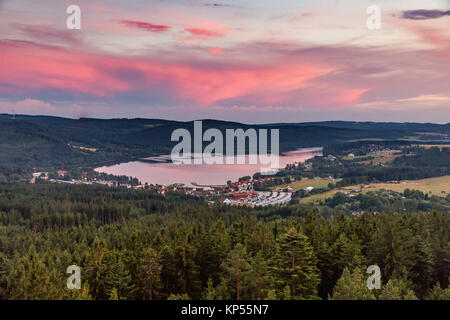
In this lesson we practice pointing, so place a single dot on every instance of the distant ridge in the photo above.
(48, 141)
(330, 123)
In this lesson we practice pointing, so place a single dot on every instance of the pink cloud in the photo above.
(431, 35)
(26, 68)
(145, 25)
(319, 77)
(203, 33)
(215, 51)
(49, 34)
(207, 30)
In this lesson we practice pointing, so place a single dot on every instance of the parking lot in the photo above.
(265, 199)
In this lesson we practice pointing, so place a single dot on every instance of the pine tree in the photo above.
(183, 296)
(149, 276)
(286, 293)
(351, 286)
(96, 269)
(213, 250)
(296, 265)
(30, 279)
(82, 294)
(118, 279)
(259, 278)
(210, 292)
(271, 295)
(188, 271)
(113, 294)
(421, 272)
(225, 291)
(397, 289)
(437, 293)
(235, 268)
(345, 253)
(392, 247)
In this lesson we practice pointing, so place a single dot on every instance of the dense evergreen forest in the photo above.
(136, 244)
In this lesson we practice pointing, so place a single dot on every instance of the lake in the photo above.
(164, 173)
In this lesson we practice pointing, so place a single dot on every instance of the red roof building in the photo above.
(239, 196)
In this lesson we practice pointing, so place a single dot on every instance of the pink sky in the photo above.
(241, 60)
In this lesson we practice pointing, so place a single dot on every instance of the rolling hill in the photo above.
(47, 142)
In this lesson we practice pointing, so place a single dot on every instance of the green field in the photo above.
(305, 182)
(436, 186)
(439, 186)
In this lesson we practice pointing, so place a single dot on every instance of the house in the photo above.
(239, 196)
(356, 214)
(62, 173)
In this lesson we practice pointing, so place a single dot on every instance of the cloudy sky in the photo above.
(244, 60)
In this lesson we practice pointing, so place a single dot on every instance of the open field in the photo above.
(428, 146)
(322, 196)
(439, 186)
(383, 158)
(432, 185)
(305, 182)
(377, 158)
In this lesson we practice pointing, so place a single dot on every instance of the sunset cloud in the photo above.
(200, 32)
(214, 51)
(145, 26)
(203, 33)
(424, 14)
(49, 34)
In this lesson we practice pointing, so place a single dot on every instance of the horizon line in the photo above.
(223, 120)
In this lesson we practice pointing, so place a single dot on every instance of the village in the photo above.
(233, 193)
(241, 192)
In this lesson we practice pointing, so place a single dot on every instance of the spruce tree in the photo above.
(149, 276)
(295, 265)
(397, 289)
(352, 286)
(235, 268)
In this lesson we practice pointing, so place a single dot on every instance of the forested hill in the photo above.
(369, 125)
(48, 142)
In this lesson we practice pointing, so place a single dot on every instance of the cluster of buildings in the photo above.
(360, 213)
(234, 193)
(258, 198)
(195, 189)
(60, 176)
(353, 192)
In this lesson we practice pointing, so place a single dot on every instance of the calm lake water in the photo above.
(167, 173)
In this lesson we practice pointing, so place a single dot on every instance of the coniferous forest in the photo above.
(137, 244)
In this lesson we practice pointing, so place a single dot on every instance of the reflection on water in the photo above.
(168, 173)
